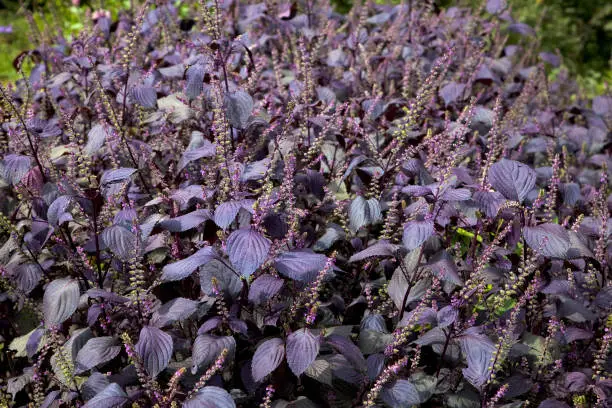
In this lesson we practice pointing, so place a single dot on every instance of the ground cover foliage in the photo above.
(275, 205)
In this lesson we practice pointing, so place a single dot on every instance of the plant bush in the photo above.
(275, 205)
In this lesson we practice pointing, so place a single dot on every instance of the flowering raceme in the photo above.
(235, 204)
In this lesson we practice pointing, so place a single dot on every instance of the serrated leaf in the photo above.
(57, 213)
(96, 137)
(364, 212)
(247, 250)
(27, 276)
(60, 301)
(226, 212)
(207, 149)
(176, 310)
(14, 167)
(382, 248)
(402, 393)
(321, 371)
(94, 385)
(185, 267)
(478, 350)
(348, 349)
(447, 316)
(267, 358)
(195, 81)
(145, 96)
(301, 264)
(228, 281)
(514, 180)
(548, 239)
(121, 241)
(155, 349)
(116, 176)
(186, 222)
(416, 233)
(238, 106)
(302, 350)
(207, 348)
(210, 397)
(112, 396)
(96, 351)
(263, 288)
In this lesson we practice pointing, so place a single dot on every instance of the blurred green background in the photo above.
(580, 29)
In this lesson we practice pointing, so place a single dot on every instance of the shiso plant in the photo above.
(275, 205)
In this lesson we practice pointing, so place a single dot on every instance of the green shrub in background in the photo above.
(46, 14)
(580, 29)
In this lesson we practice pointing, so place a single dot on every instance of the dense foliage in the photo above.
(275, 205)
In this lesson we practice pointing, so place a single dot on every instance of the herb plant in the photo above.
(275, 205)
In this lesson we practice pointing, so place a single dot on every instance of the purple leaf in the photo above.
(186, 222)
(239, 106)
(247, 250)
(490, 202)
(496, 6)
(116, 176)
(553, 403)
(548, 239)
(522, 29)
(210, 325)
(382, 248)
(195, 81)
(416, 233)
(176, 310)
(552, 59)
(255, 170)
(226, 213)
(57, 213)
(302, 349)
(375, 364)
(447, 316)
(210, 397)
(96, 137)
(443, 267)
(348, 349)
(263, 288)
(27, 276)
(301, 264)
(207, 348)
(60, 301)
(206, 150)
(14, 167)
(576, 381)
(513, 179)
(112, 396)
(106, 295)
(452, 92)
(478, 350)
(185, 267)
(574, 334)
(401, 393)
(267, 358)
(95, 384)
(154, 347)
(145, 96)
(34, 342)
(227, 281)
(364, 212)
(121, 241)
(95, 352)
(602, 105)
